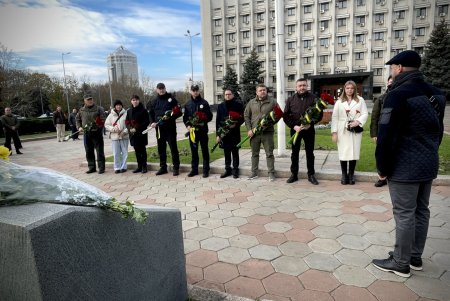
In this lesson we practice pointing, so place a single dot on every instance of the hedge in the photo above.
(34, 126)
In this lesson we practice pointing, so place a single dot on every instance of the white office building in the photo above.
(325, 41)
(122, 66)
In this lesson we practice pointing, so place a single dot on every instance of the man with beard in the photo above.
(296, 106)
(166, 129)
(91, 120)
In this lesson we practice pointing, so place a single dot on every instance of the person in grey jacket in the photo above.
(411, 129)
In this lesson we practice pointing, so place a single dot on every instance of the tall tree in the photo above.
(436, 59)
(250, 77)
(230, 81)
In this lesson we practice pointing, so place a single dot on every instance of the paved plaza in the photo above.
(277, 241)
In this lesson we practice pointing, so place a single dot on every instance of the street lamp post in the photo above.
(188, 34)
(109, 80)
(65, 86)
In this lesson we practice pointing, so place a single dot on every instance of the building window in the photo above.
(379, 36)
(291, 77)
(360, 2)
(219, 68)
(400, 14)
(419, 31)
(323, 59)
(443, 10)
(307, 26)
(380, 1)
(262, 65)
(274, 79)
(232, 37)
(291, 45)
(260, 48)
(231, 21)
(261, 80)
(307, 60)
(274, 65)
(342, 22)
(359, 55)
(246, 19)
(342, 40)
(273, 31)
(219, 83)
(291, 11)
(218, 39)
(323, 24)
(399, 34)
(232, 51)
(421, 12)
(323, 42)
(218, 53)
(291, 29)
(341, 57)
(378, 54)
(272, 15)
(307, 43)
(379, 17)
(324, 7)
(274, 47)
(307, 9)
(218, 22)
(342, 4)
(360, 20)
(260, 17)
(359, 38)
(260, 33)
(246, 50)
(246, 34)
(290, 62)
(378, 71)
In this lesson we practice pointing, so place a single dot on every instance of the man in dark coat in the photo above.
(229, 142)
(73, 124)
(10, 125)
(296, 106)
(137, 121)
(197, 106)
(409, 135)
(166, 129)
(91, 120)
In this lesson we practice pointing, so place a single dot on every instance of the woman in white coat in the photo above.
(349, 116)
(115, 124)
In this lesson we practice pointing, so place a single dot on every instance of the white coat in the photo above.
(113, 128)
(348, 143)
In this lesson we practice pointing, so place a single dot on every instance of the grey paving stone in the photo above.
(306, 215)
(353, 257)
(185, 210)
(378, 252)
(329, 212)
(226, 231)
(196, 203)
(295, 248)
(429, 287)
(274, 204)
(381, 275)
(210, 223)
(264, 252)
(214, 243)
(352, 218)
(431, 269)
(190, 245)
(309, 206)
(326, 232)
(291, 202)
(323, 262)
(243, 241)
(278, 227)
(288, 209)
(354, 229)
(324, 245)
(442, 260)
(353, 242)
(188, 225)
(229, 206)
(374, 208)
(330, 205)
(234, 221)
(435, 222)
(250, 205)
(196, 216)
(207, 208)
(353, 275)
(198, 233)
(380, 238)
(220, 214)
(290, 265)
(439, 245)
(265, 210)
(376, 226)
(243, 212)
(439, 232)
(446, 278)
(233, 255)
(328, 221)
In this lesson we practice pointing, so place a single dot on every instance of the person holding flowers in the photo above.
(115, 124)
(90, 120)
(254, 112)
(137, 121)
(197, 114)
(349, 116)
(296, 106)
(228, 122)
(164, 110)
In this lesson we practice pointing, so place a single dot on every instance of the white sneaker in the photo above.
(252, 177)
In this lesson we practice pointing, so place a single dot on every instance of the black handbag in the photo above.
(357, 129)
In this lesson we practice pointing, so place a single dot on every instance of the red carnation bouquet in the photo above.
(268, 120)
(174, 113)
(232, 119)
(196, 120)
(131, 124)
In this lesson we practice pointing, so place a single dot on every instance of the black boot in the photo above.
(235, 173)
(161, 171)
(344, 177)
(351, 172)
(227, 173)
(138, 169)
(293, 178)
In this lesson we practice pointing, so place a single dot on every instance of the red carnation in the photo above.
(327, 98)
(176, 110)
(234, 115)
(201, 116)
(99, 122)
(278, 112)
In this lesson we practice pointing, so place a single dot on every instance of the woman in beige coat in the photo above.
(349, 116)
(115, 124)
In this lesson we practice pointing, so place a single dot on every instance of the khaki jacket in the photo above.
(255, 111)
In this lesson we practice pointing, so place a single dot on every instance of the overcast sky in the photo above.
(39, 31)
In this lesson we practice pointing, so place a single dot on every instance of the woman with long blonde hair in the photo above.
(349, 116)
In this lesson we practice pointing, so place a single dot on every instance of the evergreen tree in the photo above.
(436, 59)
(230, 81)
(250, 77)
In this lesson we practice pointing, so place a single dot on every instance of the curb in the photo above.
(205, 294)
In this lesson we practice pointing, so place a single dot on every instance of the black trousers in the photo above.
(233, 152)
(171, 139)
(74, 130)
(141, 155)
(201, 140)
(308, 137)
(15, 137)
(94, 141)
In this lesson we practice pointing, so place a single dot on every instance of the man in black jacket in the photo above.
(229, 142)
(409, 135)
(166, 128)
(296, 106)
(198, 108)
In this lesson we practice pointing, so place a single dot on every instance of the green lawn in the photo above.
(323, 142)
